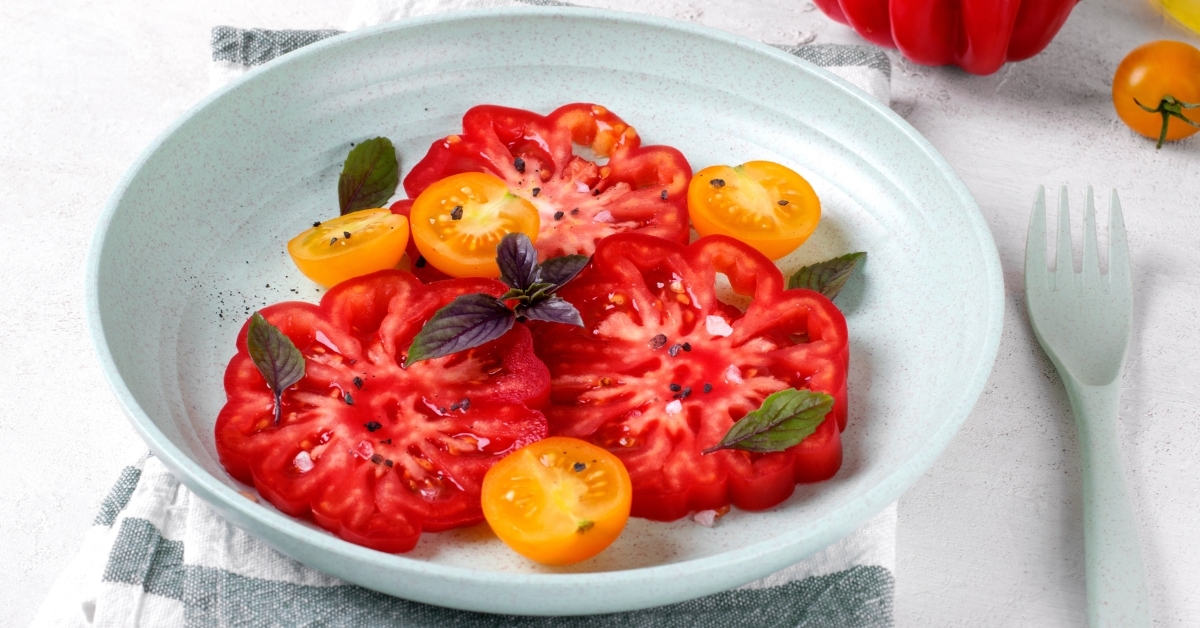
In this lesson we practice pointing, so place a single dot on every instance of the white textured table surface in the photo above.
(990, 536)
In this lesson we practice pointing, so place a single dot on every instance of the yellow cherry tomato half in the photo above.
(458, 221)
(356, 244)
(557, 501)
(761, 203)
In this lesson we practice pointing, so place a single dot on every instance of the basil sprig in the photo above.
(785, 418)
(828, 277)
(369, 175)
(275, 356)
(471, 320)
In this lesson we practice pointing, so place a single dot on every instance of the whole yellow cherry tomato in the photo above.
(557, 501)
(761, 203)
(458, 221)
(358, 243)
(1154, 88)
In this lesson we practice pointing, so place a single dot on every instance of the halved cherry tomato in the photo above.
(374, 452)
(458, 221)
(557, 501)
(356, 244)
(761, 203)
(1162, 76)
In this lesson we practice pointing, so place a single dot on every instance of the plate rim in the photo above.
(847, 518)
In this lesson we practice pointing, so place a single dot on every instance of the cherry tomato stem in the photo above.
(1168, 107)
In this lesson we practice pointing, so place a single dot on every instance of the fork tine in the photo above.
(1118, 248)
(1035, 244)
(1064, 268)
(1091, 257)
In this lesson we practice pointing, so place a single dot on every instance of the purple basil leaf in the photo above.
(785, 418)
(518, 261)
(553, 310)
(468, 321)
(560, 270)
(275, 356)
(369, 175)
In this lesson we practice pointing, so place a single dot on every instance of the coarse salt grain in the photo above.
(733, 374)
(675, 407)
(706, 518)
(303, 462)
(603, 216)
(364, 450)
(717, 326)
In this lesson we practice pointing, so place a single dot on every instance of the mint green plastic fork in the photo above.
(1083, 321)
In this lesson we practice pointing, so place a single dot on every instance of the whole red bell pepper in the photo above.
(976, 35)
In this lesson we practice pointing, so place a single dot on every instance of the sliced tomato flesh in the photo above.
(663, 368)
(554, 162)
(370, 450)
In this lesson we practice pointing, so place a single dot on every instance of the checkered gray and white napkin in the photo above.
(157, 556)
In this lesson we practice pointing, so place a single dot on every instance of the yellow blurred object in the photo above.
(1186, 12)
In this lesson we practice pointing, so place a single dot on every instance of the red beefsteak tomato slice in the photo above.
(662, 369)
(639, 189)
(369, 450)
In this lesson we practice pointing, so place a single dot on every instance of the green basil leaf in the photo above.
(468, 321)
(517, 260)
(560, 270)
(828, 277)
(275, 356)
(369, 176)
(785, 418)
(553, 310)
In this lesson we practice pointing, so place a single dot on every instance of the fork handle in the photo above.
(1116, 581)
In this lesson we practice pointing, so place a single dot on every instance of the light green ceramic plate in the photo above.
(195, 232)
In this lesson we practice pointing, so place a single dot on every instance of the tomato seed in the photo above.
(675, 387)
(663, 196)
(658, 341)
(687, 392)
(349, 399)
(456, 213)
(579, 466)
(332, 241)
(388, 462)
(358, 382)
(575, 211)
(346, 234)
(536, 191)
(687, 346)
(519, 164)
(558, 215)
(465, 404)
(783, 202)
(374, 425)
(707, 387)
(718, 183)
(317, 223)
(376, 458)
